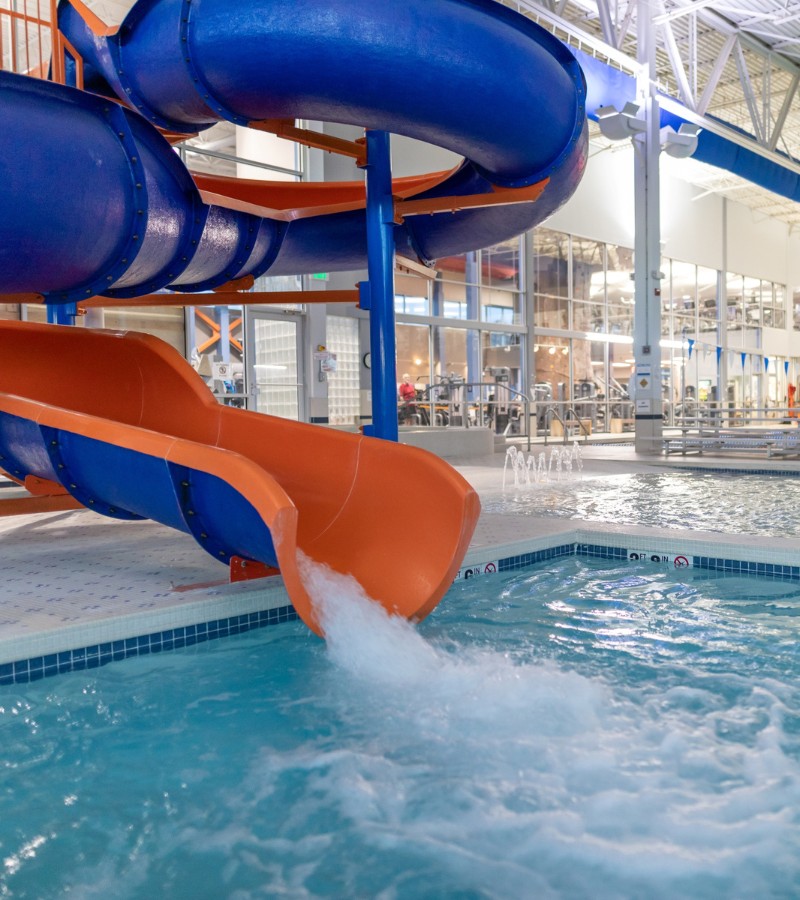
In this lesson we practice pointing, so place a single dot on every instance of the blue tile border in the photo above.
(602, 551)
(743, 567)
(509, 563)
(96, 655)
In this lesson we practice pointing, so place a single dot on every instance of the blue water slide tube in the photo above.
(99, 203)
(607, 86)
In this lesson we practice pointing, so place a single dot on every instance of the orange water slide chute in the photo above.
(351, 502)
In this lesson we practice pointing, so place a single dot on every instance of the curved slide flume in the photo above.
(100, 204)
(126, 426)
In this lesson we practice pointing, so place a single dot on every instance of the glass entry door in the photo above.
(275, 364)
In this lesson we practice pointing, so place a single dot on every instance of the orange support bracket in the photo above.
(250, 570)
(42, 487)
(285, 128)
(45, 496)
(498, 197)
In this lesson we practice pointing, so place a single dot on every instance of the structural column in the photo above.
(379, 294)
(530, 320)
(62, 313)
(647, 394)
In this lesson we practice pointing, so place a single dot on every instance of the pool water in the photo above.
(578, 729)
(728, 504)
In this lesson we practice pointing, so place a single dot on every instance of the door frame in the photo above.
(297, 318)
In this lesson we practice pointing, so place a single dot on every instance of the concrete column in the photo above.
(722, 309)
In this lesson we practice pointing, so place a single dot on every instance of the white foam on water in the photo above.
(529, 779)
(386, 764)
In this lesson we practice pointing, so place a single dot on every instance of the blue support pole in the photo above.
(62, 313)
(379, 292)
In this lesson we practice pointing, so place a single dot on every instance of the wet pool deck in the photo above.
(75, 580)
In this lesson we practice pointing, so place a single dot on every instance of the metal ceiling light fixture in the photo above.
(681, 143)
(618, 125)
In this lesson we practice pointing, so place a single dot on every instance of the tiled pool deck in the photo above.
(78, 590)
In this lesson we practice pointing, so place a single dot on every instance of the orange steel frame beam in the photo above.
(216, 333)
(498, 197)
(223, 298)
(23, 506)
(44, 496)
(285, 128)
(218, 298)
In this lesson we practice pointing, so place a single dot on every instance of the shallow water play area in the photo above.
(599, 707)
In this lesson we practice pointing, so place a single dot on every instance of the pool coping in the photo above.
(209, 614)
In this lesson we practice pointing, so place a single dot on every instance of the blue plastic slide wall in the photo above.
(96, 202)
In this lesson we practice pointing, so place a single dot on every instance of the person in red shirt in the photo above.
(408, 397)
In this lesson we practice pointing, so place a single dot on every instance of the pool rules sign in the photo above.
(643, 381)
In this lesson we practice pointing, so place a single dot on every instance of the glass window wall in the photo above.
(619, 289)
(551, 278)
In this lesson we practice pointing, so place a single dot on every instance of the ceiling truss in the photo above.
(730, 66)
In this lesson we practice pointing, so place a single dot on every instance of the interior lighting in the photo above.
(682, 143)
(552, 351)
(565, 350)
(618, 125)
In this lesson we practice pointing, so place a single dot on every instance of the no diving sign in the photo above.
(488, 568)
(677, 560)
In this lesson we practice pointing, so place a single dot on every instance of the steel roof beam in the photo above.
(607, 23)
(784, 112)
(716, 73)
(749, 94)
(671, 46)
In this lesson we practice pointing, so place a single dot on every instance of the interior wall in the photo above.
(692, 224)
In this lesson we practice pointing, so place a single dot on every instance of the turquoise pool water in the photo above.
(578, 729)
(728, 504)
